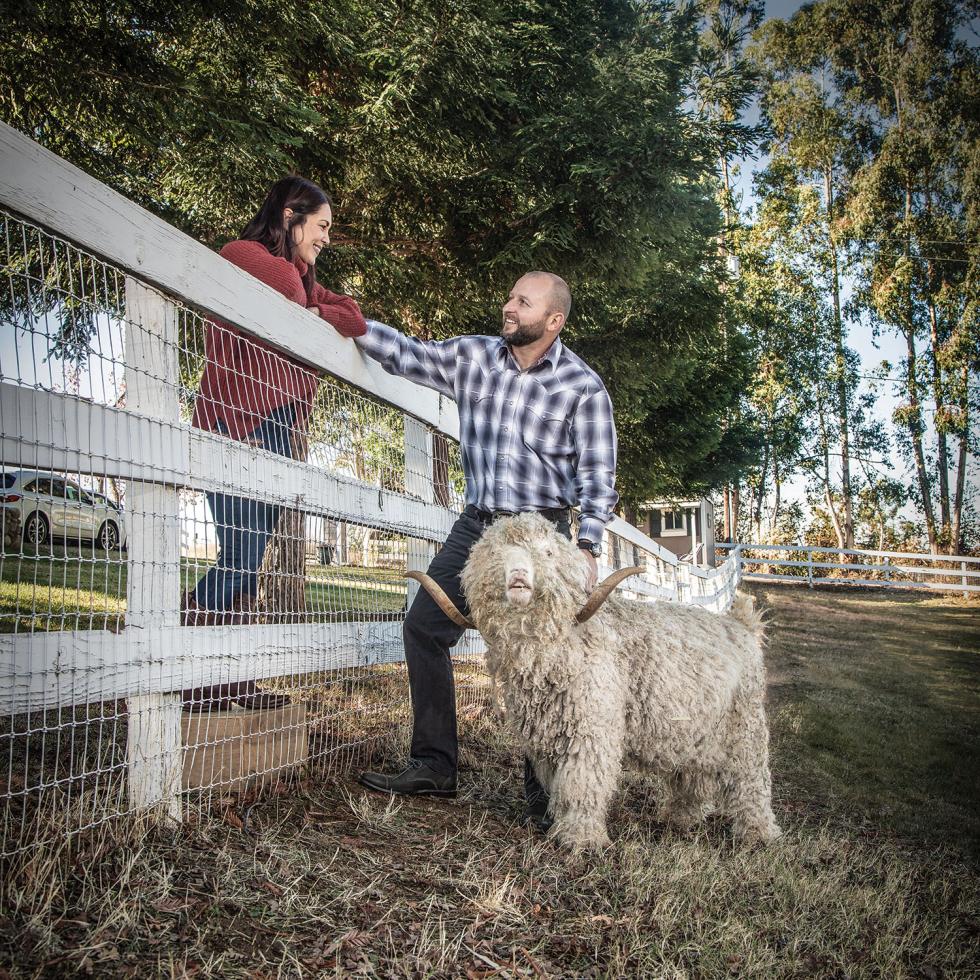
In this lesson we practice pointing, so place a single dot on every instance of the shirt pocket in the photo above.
(482, 405)
(547, 430)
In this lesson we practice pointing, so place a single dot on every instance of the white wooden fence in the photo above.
(49, 675)
(895, 569)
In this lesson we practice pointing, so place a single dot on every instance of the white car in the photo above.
(52, 506)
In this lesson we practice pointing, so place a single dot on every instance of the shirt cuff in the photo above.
(590, 529)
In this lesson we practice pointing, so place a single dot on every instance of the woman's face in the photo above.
(312, 235)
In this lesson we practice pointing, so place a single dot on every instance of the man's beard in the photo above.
(526, 333)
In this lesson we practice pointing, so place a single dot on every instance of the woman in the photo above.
(255, 393)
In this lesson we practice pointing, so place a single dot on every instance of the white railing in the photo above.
(149, 289)
(814, 565)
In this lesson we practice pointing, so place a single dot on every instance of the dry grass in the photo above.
(325, 880)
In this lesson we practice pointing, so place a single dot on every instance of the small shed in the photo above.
(685, 527)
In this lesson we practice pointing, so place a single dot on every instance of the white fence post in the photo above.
(419, 483)
(966, 594)
(154, 748)
(809, 567)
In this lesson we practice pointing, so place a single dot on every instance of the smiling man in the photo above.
(537, 434)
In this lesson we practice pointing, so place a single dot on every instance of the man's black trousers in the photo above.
(429, 634)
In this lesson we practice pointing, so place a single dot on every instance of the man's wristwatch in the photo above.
(594, 548)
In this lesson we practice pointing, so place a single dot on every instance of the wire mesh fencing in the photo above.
(205, 539)
(191, 603)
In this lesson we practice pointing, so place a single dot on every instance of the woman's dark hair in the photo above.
(267, 227)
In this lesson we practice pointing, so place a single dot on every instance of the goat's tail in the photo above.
(744, 610)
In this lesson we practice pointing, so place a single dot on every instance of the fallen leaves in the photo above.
(231, 818)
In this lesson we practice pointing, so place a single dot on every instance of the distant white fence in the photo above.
(814, 566)
(92, 651)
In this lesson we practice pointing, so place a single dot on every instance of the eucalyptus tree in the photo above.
(910, 85)
(813, 147)
(726, 81)
(779, 309)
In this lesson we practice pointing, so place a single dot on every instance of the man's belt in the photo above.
(486, 517)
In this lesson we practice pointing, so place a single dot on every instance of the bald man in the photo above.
(537, 434)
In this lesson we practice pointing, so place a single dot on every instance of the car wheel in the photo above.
(36, 530)
(108, 537)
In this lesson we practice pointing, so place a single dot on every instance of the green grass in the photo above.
(874, 707)
(874, 713)
(79, 588)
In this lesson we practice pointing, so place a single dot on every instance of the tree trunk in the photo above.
(915, 417)
(735, 508)
(828, 495)
(915, 433)
(956, 544)
(777, 481)
(942, 461)
(440, 469)
(840, 361)
(282, 579)
(761, 494)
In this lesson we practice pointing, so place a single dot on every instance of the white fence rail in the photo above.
(815, 565)
(93, 653)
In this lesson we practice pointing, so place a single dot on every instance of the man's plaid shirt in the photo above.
(531, 440)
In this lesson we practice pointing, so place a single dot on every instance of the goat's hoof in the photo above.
(756, 835)
(579, 844)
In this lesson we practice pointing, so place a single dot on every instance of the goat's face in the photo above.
(518, 575)
(522, 565)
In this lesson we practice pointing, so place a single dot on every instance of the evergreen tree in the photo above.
(464, 143)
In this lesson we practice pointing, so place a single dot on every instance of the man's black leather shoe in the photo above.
(416, 780)
(536, 813)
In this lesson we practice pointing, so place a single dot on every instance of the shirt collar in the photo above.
(551, 355)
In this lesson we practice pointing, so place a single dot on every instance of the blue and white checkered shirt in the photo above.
(531, 440)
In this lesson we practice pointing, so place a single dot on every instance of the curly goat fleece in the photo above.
(672, 687)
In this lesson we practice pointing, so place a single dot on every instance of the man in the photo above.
(537, 434)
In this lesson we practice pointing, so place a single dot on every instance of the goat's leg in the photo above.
(583, 786)
(746, 781)
(688, 794)
(544, 771)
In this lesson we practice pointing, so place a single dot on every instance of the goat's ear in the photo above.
(442, 600)
(604, 590)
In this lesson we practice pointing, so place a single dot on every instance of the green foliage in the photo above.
(873, 153)
(911, 85)
(464, 143)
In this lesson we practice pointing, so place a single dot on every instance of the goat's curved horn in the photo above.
(442, 600)
(603, 590)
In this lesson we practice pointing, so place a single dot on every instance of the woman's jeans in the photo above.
(243, 525)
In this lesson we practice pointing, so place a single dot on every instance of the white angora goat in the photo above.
(591, 683)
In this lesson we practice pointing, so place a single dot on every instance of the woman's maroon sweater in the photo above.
(245, 379)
